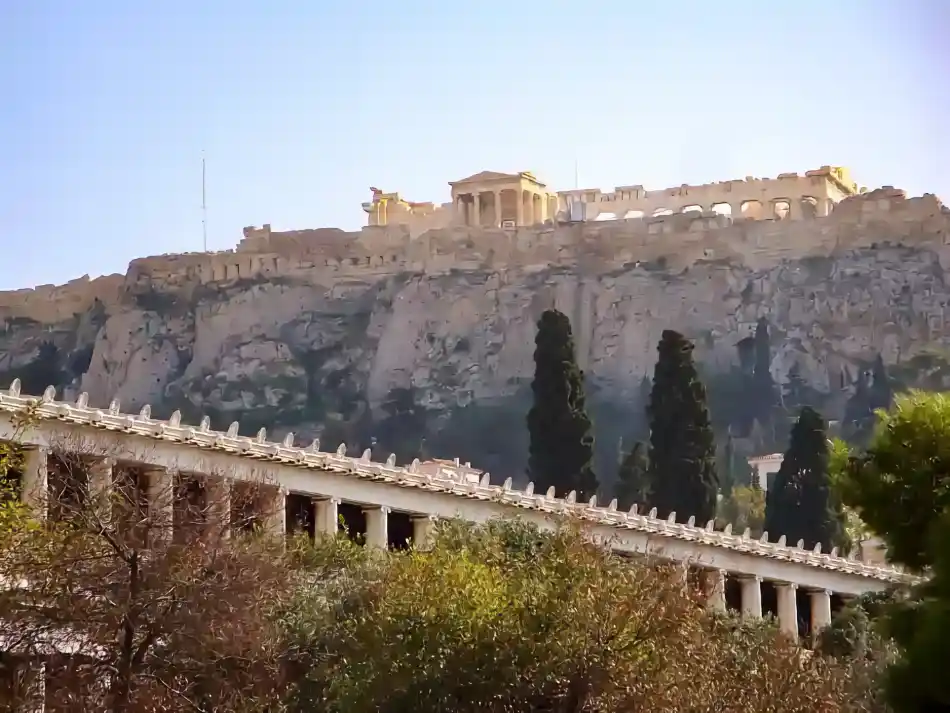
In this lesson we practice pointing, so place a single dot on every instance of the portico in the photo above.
(223, 479)
(502, 200)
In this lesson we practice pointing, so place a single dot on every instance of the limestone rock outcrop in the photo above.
(318, 336)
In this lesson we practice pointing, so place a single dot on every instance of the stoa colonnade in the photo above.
(307, 488)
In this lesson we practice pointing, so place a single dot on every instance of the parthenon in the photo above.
(511, 200)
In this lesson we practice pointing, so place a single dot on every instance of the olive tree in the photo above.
(504, 617)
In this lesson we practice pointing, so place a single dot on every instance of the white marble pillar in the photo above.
(786, 595)
(519, 206)
(34, 485)
(34, 688)
(820, 610)
(275, 512)
(100, 489)
(716, 590)
(326, 518)
(218, 492)
(751, 597)
(423, 531)
(476, 209)
(682, 574)
(377, 527)
(161, 503)
(498, 218)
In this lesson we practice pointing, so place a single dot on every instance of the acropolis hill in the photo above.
(433, 305)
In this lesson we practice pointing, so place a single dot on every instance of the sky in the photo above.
(298, 107)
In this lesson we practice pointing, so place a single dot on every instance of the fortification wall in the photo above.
(338, 259)
(789, 195)
(292, 242)
(55, 303)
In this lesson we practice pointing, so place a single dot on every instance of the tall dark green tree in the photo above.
(797, 391)
(873, 390)
(733, 469)
(561, 438)
(800, 504)
(881, 391)
(633, 485)
(401, 431)
(682, 452)
(765, 392)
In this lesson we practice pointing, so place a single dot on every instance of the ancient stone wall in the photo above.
(672, 242)
(54, 303)
(788, 196)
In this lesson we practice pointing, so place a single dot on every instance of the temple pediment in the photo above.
(487, 176)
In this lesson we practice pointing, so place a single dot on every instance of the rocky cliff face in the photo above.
(448, 356)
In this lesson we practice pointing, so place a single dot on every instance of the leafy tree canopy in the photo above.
(901, 486)
(503, 617)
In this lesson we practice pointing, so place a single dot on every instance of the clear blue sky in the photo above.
(302, 106)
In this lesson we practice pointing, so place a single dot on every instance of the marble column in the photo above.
(716, 590)
(498, 217)
(161, 504)
(519, 205)
(751, 597)
(820, 610)
(476, 209)
(423, 531)
(34, 485)
(786, 595)
(326, 517)
(218, 492)
(100, 489)
(35, 688)
(682, 574)
(275, 515)
(377, 527)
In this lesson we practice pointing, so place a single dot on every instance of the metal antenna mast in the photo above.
(204, 206)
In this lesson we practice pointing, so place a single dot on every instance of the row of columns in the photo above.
(751, 208)
(161, 491)
(326, 518)
(786, 596)
(468, 207)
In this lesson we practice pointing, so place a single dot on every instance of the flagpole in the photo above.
(204, 206)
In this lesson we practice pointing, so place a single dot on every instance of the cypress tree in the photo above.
(761, 371)
(633, 486)
(800, 504)
(881, 392)
(734, 470)
(682, 468)
(796, 392)
(859, 411)
(561, 439)
(727, 469)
